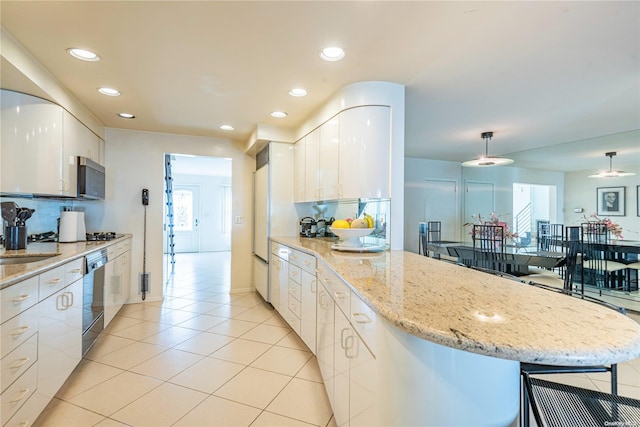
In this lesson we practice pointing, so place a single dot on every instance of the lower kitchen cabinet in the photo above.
(41, 342)
(60, 343)
(117, 280)
(325, 341)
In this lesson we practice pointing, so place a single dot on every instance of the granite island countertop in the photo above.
(11, 274)
(478, 312)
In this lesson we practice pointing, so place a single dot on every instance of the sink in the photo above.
(24, 259)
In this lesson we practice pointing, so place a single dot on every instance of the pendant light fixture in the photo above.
(487, 160)
(611, 173)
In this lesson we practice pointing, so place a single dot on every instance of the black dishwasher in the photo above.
(93, 298)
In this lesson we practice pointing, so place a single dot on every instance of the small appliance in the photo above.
(91, 179)
(72, 228)
(308, 227)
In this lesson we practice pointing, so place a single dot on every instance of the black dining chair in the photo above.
(572, 245)
(488, 247)
(422, 239)
(598, 267)
(554, 404)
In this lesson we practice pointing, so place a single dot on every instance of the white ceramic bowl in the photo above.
(351, 236)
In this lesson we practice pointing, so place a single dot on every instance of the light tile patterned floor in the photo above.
(203, 357)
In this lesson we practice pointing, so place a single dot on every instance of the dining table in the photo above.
(515, 258)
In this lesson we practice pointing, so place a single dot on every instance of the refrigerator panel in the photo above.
(261, 213)
(261, 277)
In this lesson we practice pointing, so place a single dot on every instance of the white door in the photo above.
(186, 210)
(478, 199)
(433, 200)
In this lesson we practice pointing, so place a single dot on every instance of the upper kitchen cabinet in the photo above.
(299, 168)
(39, 147)
(311, 149)
(31, 146)
(365, 139)
(78, 141)
(328, 160)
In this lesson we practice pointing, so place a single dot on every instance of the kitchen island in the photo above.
(449, 339)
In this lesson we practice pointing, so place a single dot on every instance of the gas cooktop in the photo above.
(103, 235)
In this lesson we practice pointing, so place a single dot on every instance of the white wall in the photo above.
(503, 179)
(416, 174)
(135, 160)
(581, 193)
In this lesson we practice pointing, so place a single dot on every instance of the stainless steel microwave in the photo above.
(91, 179)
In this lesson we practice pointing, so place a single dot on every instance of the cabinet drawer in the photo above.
(294, 306)
(280, 250)
(295, 273)
(18, 361)
(294, 322)
(18, 393)
(295, 290)
(363, 320)
(51, 282)
(338, 290)
(18, 298)
(17, 330)
(73, 271)
(112, 253)
(123, 247)
(303, 260)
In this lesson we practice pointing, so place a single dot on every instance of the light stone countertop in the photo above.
(477, 312)
(11, 274)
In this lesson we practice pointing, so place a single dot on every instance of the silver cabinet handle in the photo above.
(54, 281)
(20, 395)
(19, 363)
(20, 330)
(339, 295)
(75, 271)
(361, 318)
(314, 286)
(21, 298)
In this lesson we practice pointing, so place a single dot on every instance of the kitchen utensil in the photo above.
(23, 215)
(9, 212)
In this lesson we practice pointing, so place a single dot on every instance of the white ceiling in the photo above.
(538, 74)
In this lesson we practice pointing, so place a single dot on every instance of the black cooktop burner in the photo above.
(103, 235)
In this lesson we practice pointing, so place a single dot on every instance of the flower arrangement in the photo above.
(493, 220)
(613, 228)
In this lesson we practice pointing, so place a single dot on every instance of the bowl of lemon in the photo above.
(350, 232)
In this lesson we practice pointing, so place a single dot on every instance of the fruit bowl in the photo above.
(350, 237)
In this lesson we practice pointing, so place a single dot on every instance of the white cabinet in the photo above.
(325, 342)
(31, 145)
(302, 296)
(365, 144)
(41, 340)
(299, 169)
(311, 177)
(279, 276)
(60, 338)
(78, 141)
(117, 279)
(328, 168)
(344, 356)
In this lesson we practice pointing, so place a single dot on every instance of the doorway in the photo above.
(197, 220)
(186, 209)
(533, 204)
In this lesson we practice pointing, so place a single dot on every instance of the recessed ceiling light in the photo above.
(278, 114)
(126, 115)
(332, 53)
(83, 54)
(109, 91)
(227, 127)
(298, 92)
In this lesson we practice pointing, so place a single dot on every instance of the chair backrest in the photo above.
(594, 250)
(556, 236)
(572, 245)
(488, 246)
(434, 231)
(422, 239)
(543, 236)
